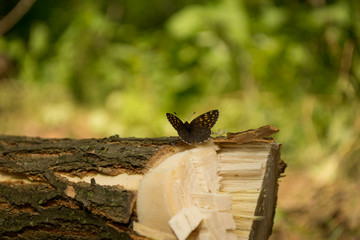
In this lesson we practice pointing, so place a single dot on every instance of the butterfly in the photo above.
(198, 130)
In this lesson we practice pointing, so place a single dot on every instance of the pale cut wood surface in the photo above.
(39, 196)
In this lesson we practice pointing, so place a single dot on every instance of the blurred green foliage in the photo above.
(95, 68)
(294, 65)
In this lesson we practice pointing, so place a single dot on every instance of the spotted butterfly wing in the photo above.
(206, 120)
(201, 126)
(175, 121)
(198, 130)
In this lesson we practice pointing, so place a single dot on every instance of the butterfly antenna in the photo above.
(178, 116)
(192, 115)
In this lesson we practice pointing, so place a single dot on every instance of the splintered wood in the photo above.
(242, 170)
(212, 191)
(182, 192)
(131, 188)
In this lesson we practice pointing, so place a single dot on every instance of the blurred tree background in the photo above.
(98, 68)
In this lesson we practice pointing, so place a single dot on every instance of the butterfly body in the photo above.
(198, 130)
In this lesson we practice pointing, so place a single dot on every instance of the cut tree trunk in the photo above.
(131, 188)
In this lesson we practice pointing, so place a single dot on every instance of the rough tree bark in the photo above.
(89, 188)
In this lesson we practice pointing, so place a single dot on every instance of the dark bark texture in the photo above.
(38, 202)
(42, 209)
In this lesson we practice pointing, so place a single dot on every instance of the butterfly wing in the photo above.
(194, 135)
(175, 121)
(206, 120)
(198, 130)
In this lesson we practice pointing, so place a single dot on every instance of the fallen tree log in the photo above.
(131, 188)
